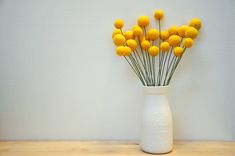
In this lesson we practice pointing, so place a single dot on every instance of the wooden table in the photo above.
(110, 148)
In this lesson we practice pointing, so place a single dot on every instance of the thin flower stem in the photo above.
(168, 69)
(140, 69)
(137, 67)
(133, 69)
(163, 67)
(154, 72)
(153, 66)
(179, 58)
(136, 52)
(173, 70)
(160, 62)
(150, 68)
(144, 69)
(145, 64)
(147, 59)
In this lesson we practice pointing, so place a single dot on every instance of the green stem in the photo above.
(133, 69)
(139, 68)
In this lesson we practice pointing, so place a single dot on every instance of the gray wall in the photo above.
(60, 77)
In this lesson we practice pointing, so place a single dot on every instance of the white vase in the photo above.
(157, 129)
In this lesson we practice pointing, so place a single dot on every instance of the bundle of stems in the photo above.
(149, 70)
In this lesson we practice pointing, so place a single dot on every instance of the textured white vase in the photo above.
(157, 129)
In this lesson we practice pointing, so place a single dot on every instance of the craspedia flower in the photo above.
(178, 51)
(119, 40)
(116, 31)
(196, 23)
(145, 44)
(188, 42)
(126, 51)
(120, 50)
(164, 35)
(132, 44)
(142, 38)
(173, 30)
(137, 31)
(152, 34)
(153, 50)
(181, 30)
(191, 32)
(119, 23)
(174, 40)
(165, 46)
(158, 14)
(128, 35)
(143, 21)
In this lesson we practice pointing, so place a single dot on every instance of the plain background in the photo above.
(60, 78)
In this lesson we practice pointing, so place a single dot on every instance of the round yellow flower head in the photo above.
(132, 44)
(120, 50)
(181, 30)
(119, 23)
(174, 40)
(153, 50)
(129, 35)
(119, 40)
(191, 32)
(142, 38)
(158, 14)
(127, 51)
(143, 21)
(115, 32)
(178, 51)
(188, 43)
(137, 31)
(152, 34)
(145, 44)
(173, 30)
(196, 23)
(164, 35)
(165, 46)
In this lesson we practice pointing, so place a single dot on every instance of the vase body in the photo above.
(157, 128)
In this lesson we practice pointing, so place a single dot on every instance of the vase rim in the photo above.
(156, 89)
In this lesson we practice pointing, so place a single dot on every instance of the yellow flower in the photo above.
(188, 43)
(164, 35)
(129, 35)
(142, 38)
(174, 40)
(126, 51)
(158, 14)
(119, 40)
(152, 34)
(120, 50)
(153, 50)
(119, 23)
(145, 44)
(137, 31)
(115, 32)
(173, 30)
(181, 30)
(191, 32)
(165, 46)
(178, 51)
(132, 44)
(196, 23)
(143, 21)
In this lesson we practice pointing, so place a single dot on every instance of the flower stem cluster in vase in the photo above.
(154, 54)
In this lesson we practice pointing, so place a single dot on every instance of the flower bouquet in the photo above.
(154, 54)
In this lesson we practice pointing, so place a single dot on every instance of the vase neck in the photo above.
(156, 90)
